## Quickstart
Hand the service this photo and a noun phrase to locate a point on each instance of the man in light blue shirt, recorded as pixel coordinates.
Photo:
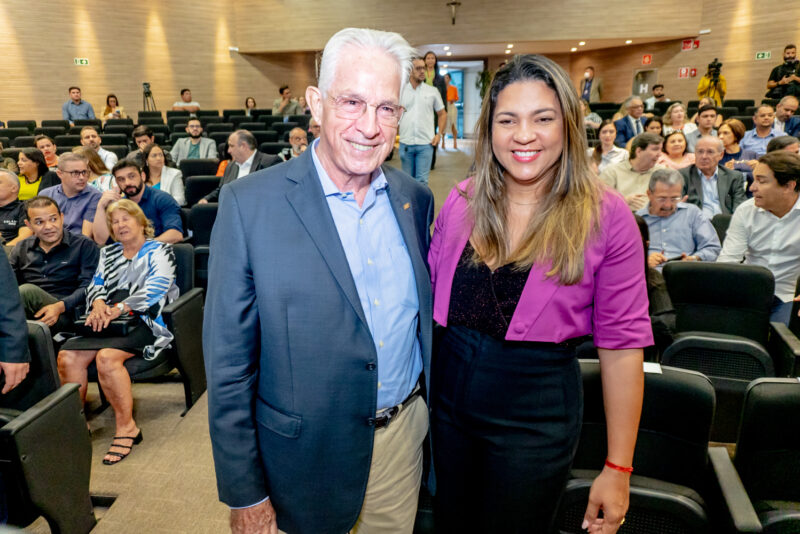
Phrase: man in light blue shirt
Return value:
(763, 132)
(75, 108)
(678, 231)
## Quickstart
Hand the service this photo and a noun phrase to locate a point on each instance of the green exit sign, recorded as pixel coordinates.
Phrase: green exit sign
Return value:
(81, 60)
(763, 55)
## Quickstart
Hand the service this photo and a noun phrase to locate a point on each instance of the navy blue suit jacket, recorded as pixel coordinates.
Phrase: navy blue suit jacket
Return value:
(625, 130)
(292, 384)
(792, 126)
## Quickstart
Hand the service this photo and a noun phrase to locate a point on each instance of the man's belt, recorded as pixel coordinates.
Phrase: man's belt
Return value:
(384, 418)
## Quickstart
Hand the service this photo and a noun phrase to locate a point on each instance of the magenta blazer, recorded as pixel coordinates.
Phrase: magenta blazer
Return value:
(610, 302)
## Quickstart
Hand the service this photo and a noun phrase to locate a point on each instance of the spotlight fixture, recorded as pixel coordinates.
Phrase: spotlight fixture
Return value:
(628, 41)
(582, 43)
(508, 50)
(509, 45)
(449, 54)
(444, 66)
(573, 49)
(446, 48)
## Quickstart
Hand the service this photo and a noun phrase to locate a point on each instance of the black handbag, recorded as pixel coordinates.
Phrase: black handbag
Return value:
(122, 326)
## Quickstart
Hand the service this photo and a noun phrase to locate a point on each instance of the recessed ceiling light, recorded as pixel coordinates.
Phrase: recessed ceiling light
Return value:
(444, 66)
(449, 54)
(446, 48)
(582, 43)
(509, 46)
(573, 49)
(628, 41)
(508, 51)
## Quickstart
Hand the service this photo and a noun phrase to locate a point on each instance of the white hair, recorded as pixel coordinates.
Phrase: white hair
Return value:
(391, 43)
(716, 140)
(10, 176)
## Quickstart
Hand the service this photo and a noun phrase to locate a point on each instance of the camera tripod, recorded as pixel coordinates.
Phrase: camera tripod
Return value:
(148, 103)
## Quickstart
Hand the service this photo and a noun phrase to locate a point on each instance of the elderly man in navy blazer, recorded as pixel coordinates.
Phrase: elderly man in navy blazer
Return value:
(631, 124)
(318, 318)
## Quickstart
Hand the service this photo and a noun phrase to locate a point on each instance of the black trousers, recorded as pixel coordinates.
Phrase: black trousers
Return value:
(505, 424)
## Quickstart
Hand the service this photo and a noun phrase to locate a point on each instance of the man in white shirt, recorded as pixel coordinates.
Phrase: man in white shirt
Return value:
(658, 96)
(417, 136)
(764, 230)
(246, 160)
(90, 138)
(784, 111)
(299, 141)
(186, 103)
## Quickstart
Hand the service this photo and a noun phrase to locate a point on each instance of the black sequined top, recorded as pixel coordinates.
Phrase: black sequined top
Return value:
(482, 299)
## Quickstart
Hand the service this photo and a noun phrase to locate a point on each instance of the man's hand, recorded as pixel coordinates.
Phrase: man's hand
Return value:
(636, 202)
(656, 258)
(686, 257)
(435, 140)
(797, 299)
(15, 373)
(107, 198)
(729, 164)
(49, 314)
(786, 79)
(202, 201)
(258, 519)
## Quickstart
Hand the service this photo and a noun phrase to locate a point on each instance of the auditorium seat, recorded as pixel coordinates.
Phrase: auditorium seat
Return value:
(679, 484)
(118, 122)
(750, 110)
(62, 123)
(63, 149)
(727, 112)
(250, 126)
(121, 151)
(42, 378)
(770, 101)
(174, 136)
(301, 120)
(124, 129)
(115, 139)
(661, 107)
(5, 142)
(239, 119)
(28, 125)
(13, 133)
(50, 131)
(742, 105)
(176, 113)
(198, 167)
(151, 121)
(160, 139)
(260, 112)
(693, 104)
(273, 148)
(720, 222)
(198, 186)
(149, 114)
(219, 127)
(604, 105)
(228, 113)
(219, 137)
(768, 452)
(605, 114)
(88, 122)
(208, 119)
(265, 136)
(269, 120)
(283, 127)
(747, 120)
(207, 113)
(160, 128)
(177, 123)
(23, 141)
(12, 153)
(75, 130)
(201, 221)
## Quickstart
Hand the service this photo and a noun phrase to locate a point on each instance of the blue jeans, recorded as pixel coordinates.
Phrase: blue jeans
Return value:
(417, 160)
(781, 311)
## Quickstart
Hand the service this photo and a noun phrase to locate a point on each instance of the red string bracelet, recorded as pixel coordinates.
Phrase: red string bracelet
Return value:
(612, 465)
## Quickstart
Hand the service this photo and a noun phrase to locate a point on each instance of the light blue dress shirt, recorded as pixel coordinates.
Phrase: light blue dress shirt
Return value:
(71, 111)
(751, 141)
(384, 277)
(685, 231)
(711, 205)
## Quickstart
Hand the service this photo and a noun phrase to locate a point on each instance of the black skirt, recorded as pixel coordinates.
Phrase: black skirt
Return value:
(134, 342)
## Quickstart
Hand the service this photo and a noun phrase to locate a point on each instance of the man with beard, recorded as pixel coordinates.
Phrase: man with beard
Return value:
(785, 79)
(76, 200)
(159, 207)
(195, 146)
(53, 267)
(299, 141)
(677, 229)
(784, 112)
(90, 138)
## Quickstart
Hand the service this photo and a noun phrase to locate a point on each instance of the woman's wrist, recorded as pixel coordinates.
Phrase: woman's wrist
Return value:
(620, 468)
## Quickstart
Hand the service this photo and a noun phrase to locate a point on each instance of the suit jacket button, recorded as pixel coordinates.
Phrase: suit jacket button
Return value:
(371, 366)
(370, 421)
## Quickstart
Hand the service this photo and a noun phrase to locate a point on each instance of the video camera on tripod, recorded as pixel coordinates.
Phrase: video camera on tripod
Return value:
(714, 69)
(148, 103)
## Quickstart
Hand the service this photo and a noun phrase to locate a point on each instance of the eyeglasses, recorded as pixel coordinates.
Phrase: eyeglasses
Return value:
(349, 107)
(662, 200)
(76, 174)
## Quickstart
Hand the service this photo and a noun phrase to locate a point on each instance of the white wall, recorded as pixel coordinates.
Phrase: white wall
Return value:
(472, 101)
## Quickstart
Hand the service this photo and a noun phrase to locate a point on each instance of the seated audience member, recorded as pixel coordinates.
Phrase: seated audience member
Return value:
(75, 108)
(142, 136)
(33, 173)
(8, 163)
(658, 96)
(299, 141)
(621, 112)
(285, 106)
(160, 208)
(99, 176)
(632, 177)
(789, 143)
(731, 133)
(303, 106)
(76, 199)
(90, 138)
(48, 148)
(590, 118)
(12, 210)
(53, 266)
(677, 230)
(245, 159)
(606, 152)
(159, 176)
(784, 79)
(249, 106)
(654, 125)
(712, 188)
(195, 146)
(784, 111)
(113, 110)
(660, 309)
(313, 127)
(675, 120)
(135, 277)
(673, 152)
(14, 355)
(186, 103)
(763, 132)
(706, 118)
(631, 124)
(706, 101)
(771, 217)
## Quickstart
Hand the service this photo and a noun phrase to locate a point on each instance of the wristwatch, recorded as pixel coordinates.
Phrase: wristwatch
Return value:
(121, 307)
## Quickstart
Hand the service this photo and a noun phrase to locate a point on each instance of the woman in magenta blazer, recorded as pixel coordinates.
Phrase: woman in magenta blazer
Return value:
(530, 256)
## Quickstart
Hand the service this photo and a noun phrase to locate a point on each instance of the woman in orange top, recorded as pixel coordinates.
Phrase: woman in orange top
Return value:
(452, 112)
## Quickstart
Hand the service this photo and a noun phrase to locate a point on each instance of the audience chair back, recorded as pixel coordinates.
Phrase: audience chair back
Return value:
(596, 106)
(661, 107)
(250, 126)
(13, 133)
(149, 114)
(23, 141)
(42, 379)
(226, 127)
(55, 122)
(219, 138)
(207, 120)
(265, 136)
(747, 120)
(177, 113)
(301, 120)
(50, 131)
(228, 113)
(97, 123)
(75, 130)
(28, 125)
(196, 187)
(260, 112)
(741, 105)
(283, 128)
(273, 148)
(151, 121)
(115, 138)
(118, 129)
(794, 321)
(12, 153)
(121, 151)
(198, 167)
(119, 122)
(270, 120)
(174, 136)
(768, 451)
(201, 221)
(162, 129)
(178, 123)
(720, 222)
(207, 113)
(728, 111)
(237, 120)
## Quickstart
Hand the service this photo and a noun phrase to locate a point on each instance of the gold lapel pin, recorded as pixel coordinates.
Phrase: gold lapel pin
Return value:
(406, 205)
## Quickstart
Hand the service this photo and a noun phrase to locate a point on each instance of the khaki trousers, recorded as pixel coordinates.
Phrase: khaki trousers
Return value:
(390, 503)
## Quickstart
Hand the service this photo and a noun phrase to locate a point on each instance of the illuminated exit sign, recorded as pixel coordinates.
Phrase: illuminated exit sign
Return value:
(83, 61)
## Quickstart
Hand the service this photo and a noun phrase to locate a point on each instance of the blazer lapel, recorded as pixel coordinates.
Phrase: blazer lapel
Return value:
(308, 201)
(723, 184)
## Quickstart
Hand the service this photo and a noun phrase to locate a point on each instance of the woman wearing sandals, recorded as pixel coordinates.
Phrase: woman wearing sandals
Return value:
(135, 277)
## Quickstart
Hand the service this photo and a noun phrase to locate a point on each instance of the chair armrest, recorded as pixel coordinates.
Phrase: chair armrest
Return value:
(737, 503)
(181, 301)
(784, 348)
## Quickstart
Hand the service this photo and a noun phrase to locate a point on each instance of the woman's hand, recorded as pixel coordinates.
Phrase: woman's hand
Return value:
(610, 492)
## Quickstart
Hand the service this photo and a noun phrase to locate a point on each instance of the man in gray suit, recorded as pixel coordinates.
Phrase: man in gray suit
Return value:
(245, 159)
(14, 355)
(709, 186)
(317, 332)
(195, 146)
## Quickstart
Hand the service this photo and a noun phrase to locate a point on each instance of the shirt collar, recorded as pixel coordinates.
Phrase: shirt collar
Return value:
(645, 211)
(703, 176)
(329, 188)
(66, 241)
(248, 161)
